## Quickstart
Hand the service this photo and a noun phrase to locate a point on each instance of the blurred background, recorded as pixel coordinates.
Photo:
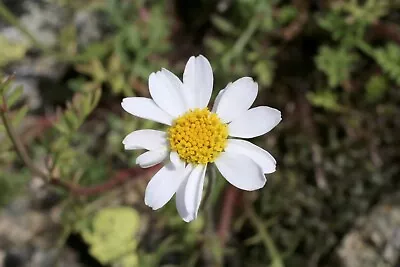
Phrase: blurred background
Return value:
(75, 199)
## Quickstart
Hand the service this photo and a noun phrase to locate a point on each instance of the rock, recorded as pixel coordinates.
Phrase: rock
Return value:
(31, 94)
(89, 29)
(2, 257)
(52, 257)
(375, 240)
(41, 74)
(44, 20)
(29, 234)
(17, 257)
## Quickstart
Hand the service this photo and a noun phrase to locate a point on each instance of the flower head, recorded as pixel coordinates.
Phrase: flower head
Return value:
(197, 136)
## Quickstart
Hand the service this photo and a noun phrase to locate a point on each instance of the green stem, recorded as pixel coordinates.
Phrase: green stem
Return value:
(266, 238)
(212, 251)
(366, 48)
(246, 36)
(211, 181)
(11, 19)
(243, 40)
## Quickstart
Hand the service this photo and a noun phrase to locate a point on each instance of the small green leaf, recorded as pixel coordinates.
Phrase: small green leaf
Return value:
(71, 119)
(96, 50)
(388, 58)
(336, 63)
(324, 99)
(216, 45)
(5, 83)
(62, 128)
(287, 14)
(265, 72)
(19, 115)
(224, 25)
(14, 95)
(376, 87)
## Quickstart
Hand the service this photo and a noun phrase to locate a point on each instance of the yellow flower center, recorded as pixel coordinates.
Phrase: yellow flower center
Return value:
(198, 136)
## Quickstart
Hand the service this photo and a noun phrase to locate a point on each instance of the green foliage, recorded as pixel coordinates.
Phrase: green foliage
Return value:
(13, 98)
(10, 105)
(9, 98)
(336, 64)
(241, 50)
(10, 188)
(77, 111)
(347, 21)
(325, 99)
(224, 26)
(376, 87)
(388, 59)
(67, 159)
(139, 36)
(287, 14)
(112, 74)
(363, 11)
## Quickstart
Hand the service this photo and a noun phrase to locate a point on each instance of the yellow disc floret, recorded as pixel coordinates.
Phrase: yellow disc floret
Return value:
(198, 136)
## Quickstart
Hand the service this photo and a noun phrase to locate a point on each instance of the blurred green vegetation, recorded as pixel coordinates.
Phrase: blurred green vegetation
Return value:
(331, 67)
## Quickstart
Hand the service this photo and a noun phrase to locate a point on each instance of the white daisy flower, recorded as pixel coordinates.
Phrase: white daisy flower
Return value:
(197, 136)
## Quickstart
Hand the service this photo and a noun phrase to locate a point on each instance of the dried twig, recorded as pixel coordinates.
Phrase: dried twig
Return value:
(119, 178)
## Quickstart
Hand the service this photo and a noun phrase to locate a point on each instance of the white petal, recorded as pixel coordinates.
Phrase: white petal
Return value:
(180, 197)
(255, 122)
(177, 83)
(264, 159)
(166, 92)
(163, 186)
(240, 171)
(218, 98)
(194, 189)
(174, 80)
(152, 157)
(198, 82)
(145, 139)
(237, 98)
(146, 108)
(176, 160)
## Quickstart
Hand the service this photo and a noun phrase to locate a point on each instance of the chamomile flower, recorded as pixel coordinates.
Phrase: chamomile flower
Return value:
(197, 136)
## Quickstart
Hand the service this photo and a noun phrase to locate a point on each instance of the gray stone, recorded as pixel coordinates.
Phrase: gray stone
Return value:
(88, 25)
(44, 21)
(375, 240)
(28, 235)
(54, 257)
(2, 257)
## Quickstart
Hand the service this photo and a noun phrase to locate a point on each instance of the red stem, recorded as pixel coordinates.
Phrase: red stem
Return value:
(230, 198)
(119, 178)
